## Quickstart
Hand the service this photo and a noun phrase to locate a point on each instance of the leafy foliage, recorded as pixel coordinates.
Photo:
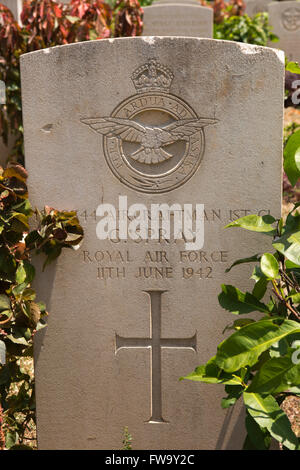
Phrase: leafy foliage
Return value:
(291, 176)
(127, 18)
(127, 439)
(49, 23)
(21, 315)
(292, 157)
(292, 81)
(291, 194)
(254, 30)
(224, 10)
(259, 362)
(231, 23)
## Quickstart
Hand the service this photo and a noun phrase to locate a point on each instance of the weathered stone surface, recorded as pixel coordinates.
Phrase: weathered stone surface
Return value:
(178, 20)
(129, 317)
(285, 19)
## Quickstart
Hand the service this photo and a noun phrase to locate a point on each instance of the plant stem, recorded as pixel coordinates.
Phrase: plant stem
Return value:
(277, 293)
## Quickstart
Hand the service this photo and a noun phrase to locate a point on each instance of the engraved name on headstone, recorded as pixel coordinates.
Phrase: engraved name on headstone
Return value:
(285, 19)
(176, 19)
(119, 127)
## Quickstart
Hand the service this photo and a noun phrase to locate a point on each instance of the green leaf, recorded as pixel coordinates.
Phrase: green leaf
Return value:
(20, 447)
(289, 246)
(11, 439)
(250, 259)
(200, 375)
(19, 289)
(269, 266)
(24, 207)
(276, 375)
(292, 158)
(257, 274)
(291, 265)
(72, 19)
(7, 261)
(20, 274)
(237, 302)
(211, 373)
(295, 298)
(5, 375)
(295, 391)
(28, 294)
(228, 401)
(255, 223)
(4, 302)
(259, 437)
(292, 223)
(260, 288)
(19, 336)
(293, 67)
(245, 346)
(238, 324)
(267, 414)
(233, 394)
(279, 348)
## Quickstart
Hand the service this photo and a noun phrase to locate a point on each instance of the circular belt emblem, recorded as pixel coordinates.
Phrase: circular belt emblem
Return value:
(154, 141)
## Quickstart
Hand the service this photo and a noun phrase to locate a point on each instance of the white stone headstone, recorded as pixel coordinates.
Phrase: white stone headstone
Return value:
(178, 20)
(148, 121)
(285, 19)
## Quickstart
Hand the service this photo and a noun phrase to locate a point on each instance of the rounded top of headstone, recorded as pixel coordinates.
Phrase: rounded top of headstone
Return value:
(147, 43)
(184, 20)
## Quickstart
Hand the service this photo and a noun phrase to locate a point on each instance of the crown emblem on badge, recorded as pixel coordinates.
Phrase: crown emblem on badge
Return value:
(152, 76)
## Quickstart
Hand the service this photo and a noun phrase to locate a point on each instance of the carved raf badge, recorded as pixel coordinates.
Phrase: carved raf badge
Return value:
(291, 19)
(153, 141)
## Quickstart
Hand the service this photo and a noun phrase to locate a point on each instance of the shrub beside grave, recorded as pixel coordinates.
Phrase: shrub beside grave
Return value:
(231, 23)
(21, 315)
(260, 361)
(254, 30)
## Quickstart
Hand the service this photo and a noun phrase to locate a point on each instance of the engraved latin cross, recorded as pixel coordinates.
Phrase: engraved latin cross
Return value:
(156, 343)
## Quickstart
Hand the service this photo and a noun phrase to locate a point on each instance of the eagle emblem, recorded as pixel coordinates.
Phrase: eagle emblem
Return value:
(152, 140)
